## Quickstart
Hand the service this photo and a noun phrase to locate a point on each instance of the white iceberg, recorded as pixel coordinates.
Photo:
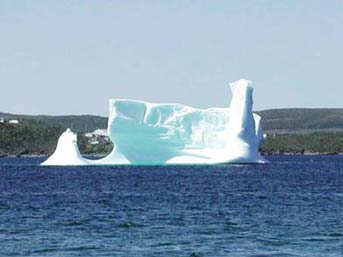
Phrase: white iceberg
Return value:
(146, 133)
(67, 152)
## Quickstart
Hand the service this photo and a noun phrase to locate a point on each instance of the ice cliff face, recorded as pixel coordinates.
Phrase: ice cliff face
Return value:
(149, 134)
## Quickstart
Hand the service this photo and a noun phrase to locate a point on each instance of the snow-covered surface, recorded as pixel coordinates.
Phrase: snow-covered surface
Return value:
(67, 152)
(149, 134)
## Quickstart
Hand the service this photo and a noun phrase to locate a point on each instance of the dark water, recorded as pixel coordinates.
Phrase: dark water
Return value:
(292, 207)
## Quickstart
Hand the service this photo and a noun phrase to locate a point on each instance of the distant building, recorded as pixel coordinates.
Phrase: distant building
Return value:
(98, 136)
(89, 135)
(2, 120)
(100, 132)
(97, 133)
(94, 142)
(13, 122)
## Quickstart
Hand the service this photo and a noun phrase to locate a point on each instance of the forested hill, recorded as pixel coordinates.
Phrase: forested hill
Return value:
(275, 121)
(79, 123)
(287, 121)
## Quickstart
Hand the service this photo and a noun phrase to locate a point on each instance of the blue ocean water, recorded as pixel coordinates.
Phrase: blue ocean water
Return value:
(291, 207)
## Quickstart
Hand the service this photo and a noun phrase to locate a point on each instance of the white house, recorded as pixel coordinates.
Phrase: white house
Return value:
(13, 122)
(100, 132)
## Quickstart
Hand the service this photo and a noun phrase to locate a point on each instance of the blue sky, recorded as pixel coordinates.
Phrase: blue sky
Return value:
(70, 57)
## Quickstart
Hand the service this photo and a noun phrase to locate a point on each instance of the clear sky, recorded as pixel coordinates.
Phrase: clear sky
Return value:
(70, 57)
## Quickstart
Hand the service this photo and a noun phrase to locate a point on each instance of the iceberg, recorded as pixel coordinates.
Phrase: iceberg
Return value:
(145, 133)
(67, 151)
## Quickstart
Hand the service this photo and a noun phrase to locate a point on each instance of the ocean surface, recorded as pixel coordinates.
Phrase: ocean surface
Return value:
(291, 207)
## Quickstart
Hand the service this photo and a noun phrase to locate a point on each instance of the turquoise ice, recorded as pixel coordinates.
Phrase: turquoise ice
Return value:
(153, 134)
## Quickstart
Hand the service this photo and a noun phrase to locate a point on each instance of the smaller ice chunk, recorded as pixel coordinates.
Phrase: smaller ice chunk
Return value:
(67, 151)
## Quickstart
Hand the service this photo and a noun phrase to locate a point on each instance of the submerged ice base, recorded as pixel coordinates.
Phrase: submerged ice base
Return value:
(145, 133)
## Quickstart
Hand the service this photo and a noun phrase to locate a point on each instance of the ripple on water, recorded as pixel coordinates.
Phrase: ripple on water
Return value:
(272, 255)
(291, 207)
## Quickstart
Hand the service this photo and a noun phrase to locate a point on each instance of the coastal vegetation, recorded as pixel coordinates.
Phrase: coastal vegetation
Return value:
(78, 123)
(312, 143)
(101, 149)
(301, 120)
(29, 137)
(32, 137)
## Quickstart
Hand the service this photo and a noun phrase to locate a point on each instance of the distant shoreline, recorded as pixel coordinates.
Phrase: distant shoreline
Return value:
(289, 132)
(101, 155)
(46, 156)
(308, 153)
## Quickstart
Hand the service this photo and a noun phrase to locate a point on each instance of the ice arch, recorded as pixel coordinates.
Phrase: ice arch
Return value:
(152, 134)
